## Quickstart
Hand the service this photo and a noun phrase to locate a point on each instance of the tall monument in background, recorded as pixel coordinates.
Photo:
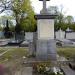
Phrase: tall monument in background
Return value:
(45, 44)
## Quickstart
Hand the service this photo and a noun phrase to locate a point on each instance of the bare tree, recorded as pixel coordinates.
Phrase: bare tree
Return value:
(5, 5)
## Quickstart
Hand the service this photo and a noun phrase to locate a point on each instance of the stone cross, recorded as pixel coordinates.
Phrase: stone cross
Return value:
(44, 6)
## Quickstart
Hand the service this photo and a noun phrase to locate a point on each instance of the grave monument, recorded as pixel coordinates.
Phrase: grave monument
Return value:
(45, 43)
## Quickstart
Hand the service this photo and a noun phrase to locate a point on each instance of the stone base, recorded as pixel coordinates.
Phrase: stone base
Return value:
(46, 50)
(47, 16)
(31, 49)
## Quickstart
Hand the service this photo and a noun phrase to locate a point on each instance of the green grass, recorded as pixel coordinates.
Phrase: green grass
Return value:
(66, 51)
(14, 53)
(2, 49)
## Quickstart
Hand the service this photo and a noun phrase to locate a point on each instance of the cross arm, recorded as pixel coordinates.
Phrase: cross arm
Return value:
(42, 0)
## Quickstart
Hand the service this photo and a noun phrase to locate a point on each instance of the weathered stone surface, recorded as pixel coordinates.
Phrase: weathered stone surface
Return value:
(19, 36)
(31, 48)
(46, 49)
(29, 36)
(45, 29)
(45, 44)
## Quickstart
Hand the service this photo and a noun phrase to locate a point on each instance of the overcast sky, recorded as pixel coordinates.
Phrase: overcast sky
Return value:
(68, 5)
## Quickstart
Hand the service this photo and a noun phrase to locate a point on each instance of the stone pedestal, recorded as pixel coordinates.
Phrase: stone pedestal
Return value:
(46, 49)
(45, 29)
(45, 45)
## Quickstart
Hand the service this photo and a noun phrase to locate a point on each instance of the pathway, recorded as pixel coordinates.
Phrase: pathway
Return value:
(25, 71)
(67, 70)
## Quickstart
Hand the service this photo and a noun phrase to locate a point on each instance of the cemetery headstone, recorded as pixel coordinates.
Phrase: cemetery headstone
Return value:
(19, 36)
(60, 34)
(45, 44)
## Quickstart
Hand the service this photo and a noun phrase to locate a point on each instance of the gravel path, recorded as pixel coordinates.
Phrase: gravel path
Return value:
(68, 71)
(27, 71)
(24, 71)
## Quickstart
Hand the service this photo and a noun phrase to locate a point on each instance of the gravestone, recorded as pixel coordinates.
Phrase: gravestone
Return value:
(19, 36)
(29, 36)
(45, 44)
(60, 34)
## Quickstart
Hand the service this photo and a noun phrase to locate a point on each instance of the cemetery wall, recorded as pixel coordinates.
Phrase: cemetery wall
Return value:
(60, 34)
(70, 35)
(1, 34)
(29, 36)
(19, 36)
(64, 35)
